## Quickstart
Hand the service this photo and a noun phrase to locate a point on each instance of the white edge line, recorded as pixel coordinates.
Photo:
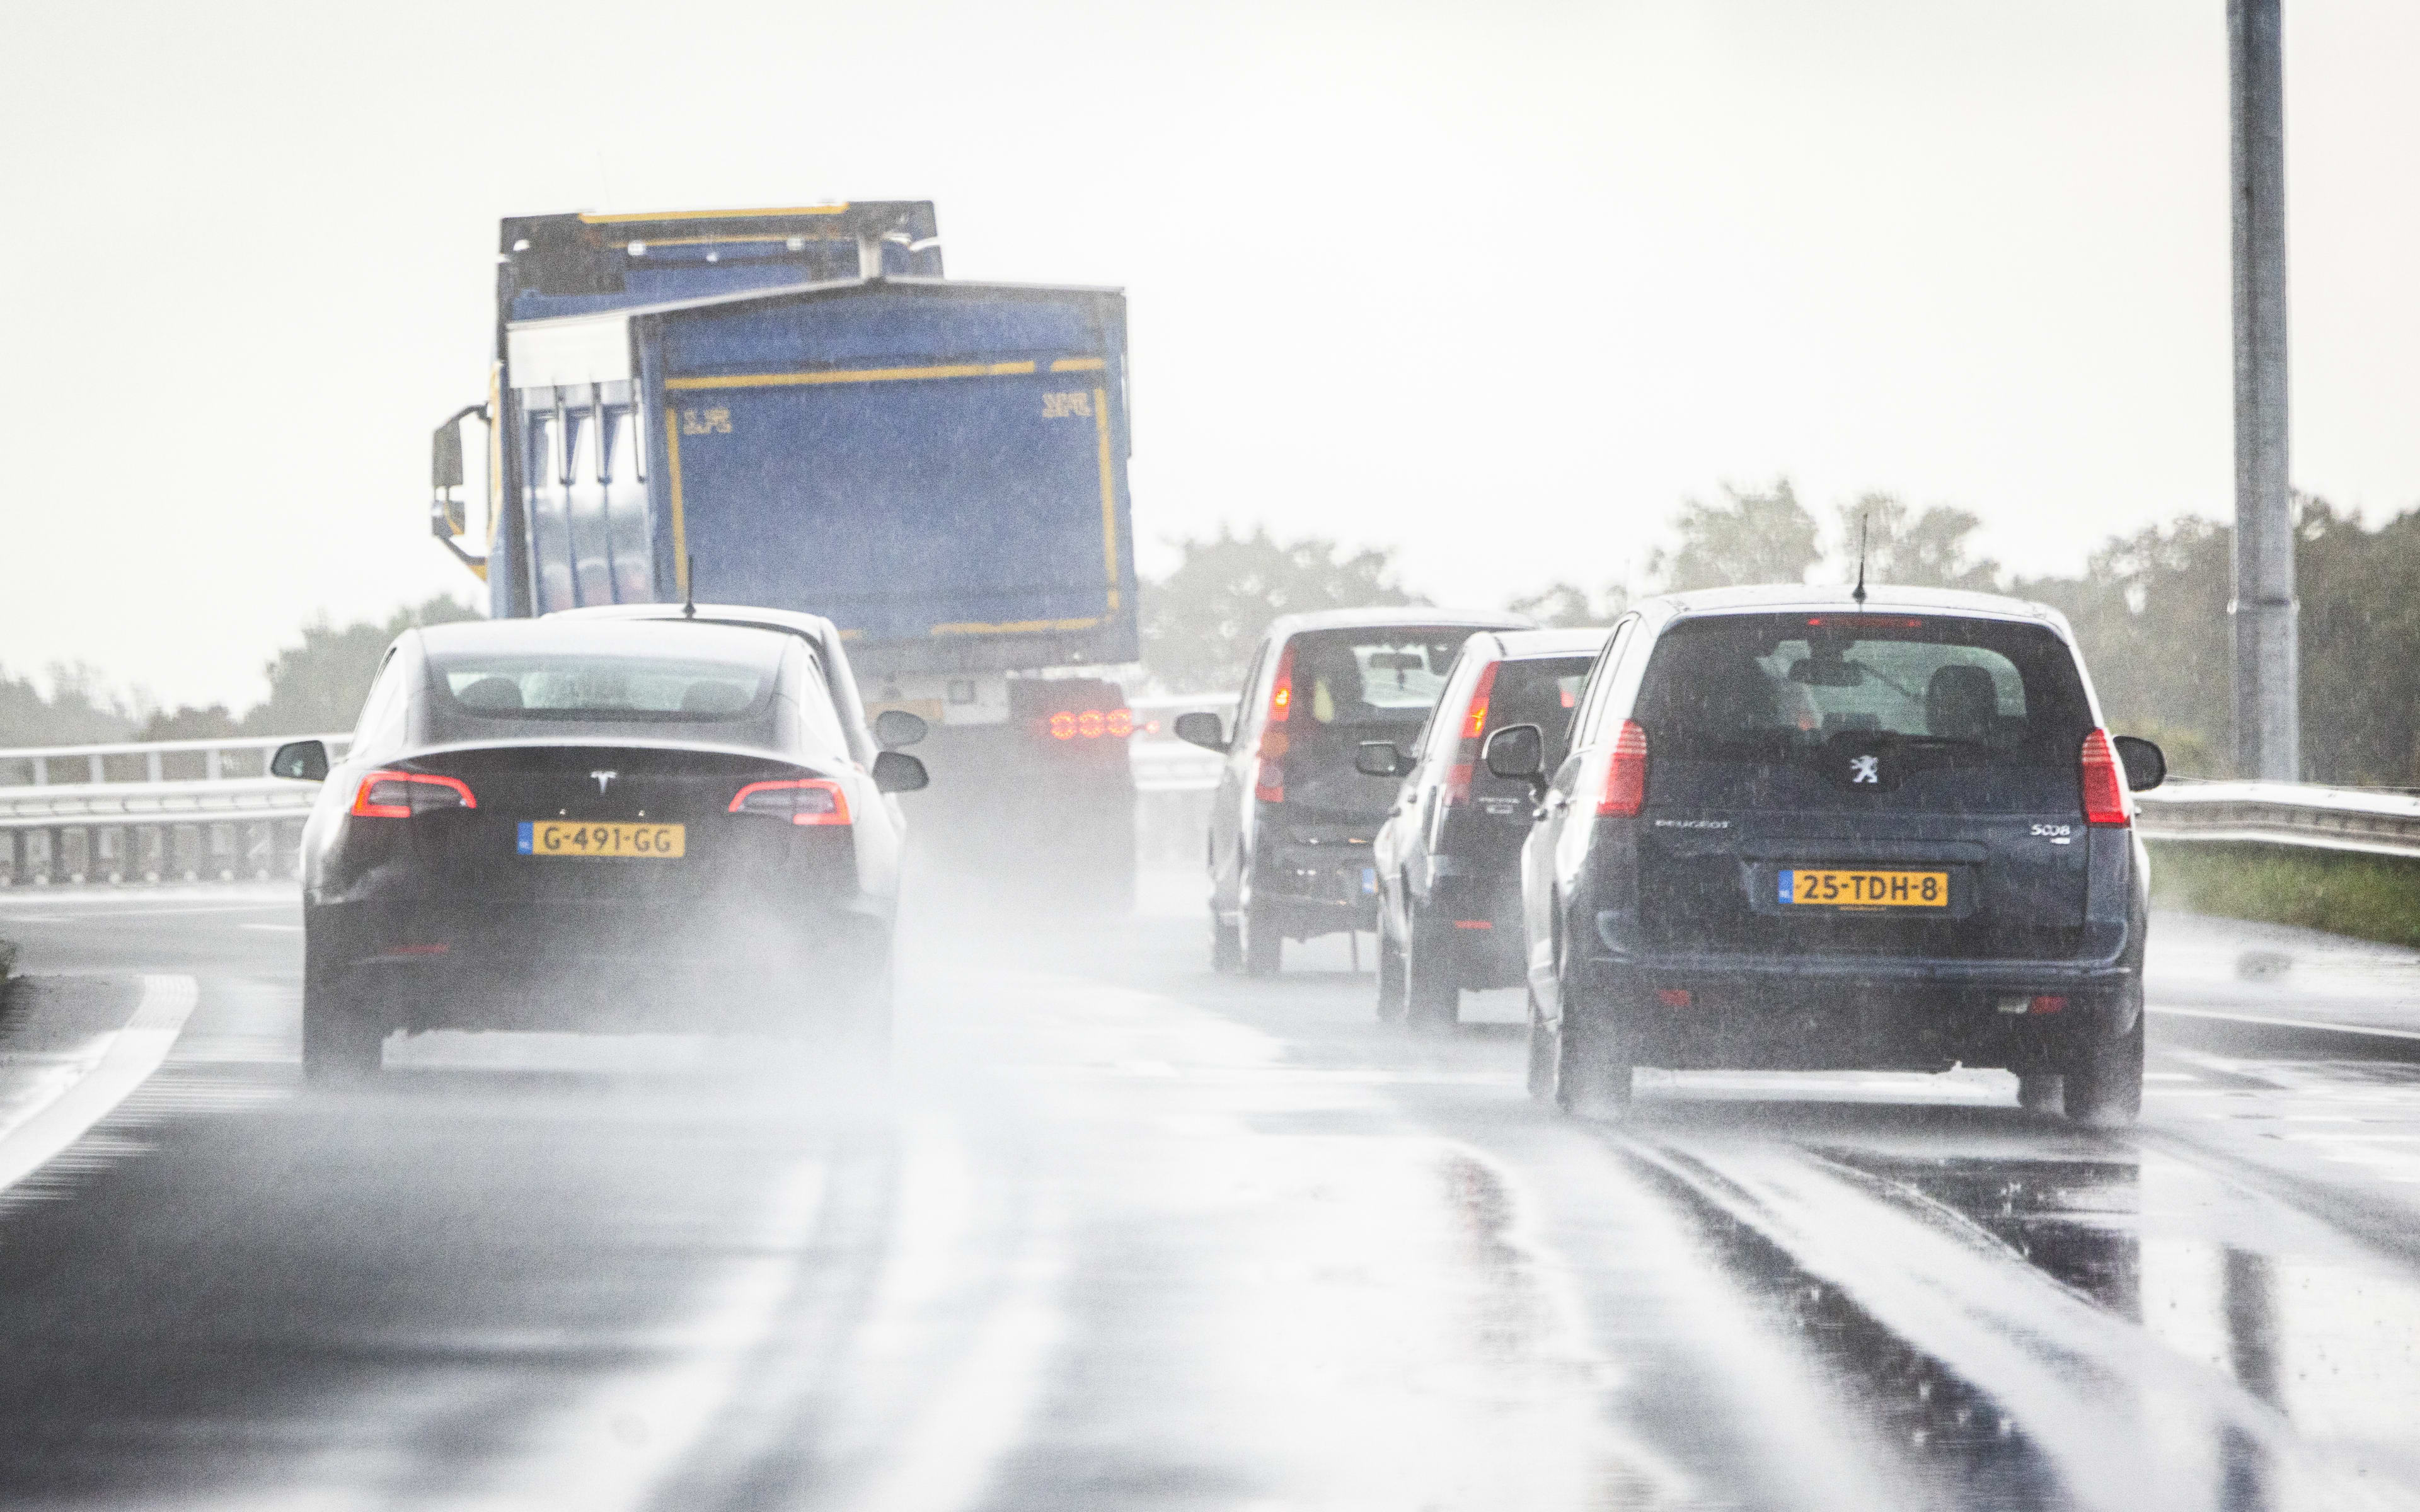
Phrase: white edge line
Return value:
(2315, 1026)
(134, 1054)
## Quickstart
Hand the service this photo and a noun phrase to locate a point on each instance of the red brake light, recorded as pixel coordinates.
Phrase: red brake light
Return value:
(1268, 776)
(401, 795)
(2104, 785)
(808, 800)
(1625, 772)
(1091, 724)
(1474, 724)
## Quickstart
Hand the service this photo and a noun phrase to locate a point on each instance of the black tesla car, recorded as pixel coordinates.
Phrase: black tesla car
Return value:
(1448, 856)
(604, 824)
(1290, 825)
(1804, 829)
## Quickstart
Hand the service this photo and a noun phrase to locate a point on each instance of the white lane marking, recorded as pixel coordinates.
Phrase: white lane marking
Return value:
(134, 1053)
(282, 928)
(2270, 1021)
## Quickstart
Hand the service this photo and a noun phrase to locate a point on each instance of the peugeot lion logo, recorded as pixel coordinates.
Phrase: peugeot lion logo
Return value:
(605, 779)
(1866, 770)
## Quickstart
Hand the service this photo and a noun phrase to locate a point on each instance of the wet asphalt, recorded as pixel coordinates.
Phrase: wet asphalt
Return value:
(1120, 1233)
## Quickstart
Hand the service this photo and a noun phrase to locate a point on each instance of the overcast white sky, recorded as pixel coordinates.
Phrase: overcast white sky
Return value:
(1496, 284)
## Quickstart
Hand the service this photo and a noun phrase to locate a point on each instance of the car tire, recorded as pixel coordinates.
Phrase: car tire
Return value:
(1390, 974)
(2041, 1091)
(2105, 1079)
(1432, 996)
(1591, 1079)
(1542, 1054)
(1226, 945)
(341, 1042)
(1263, 947)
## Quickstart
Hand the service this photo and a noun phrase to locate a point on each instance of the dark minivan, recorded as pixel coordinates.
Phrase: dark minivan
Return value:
(1448, 857)
(1291, 827)
(1803, 829)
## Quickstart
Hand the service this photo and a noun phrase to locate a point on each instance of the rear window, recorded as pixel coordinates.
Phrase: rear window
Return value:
(1745, 687)
(1364, 677)
(616, 689)
(1542, 692)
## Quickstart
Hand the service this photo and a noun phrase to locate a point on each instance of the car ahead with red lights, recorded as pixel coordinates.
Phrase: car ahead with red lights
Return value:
(1448, 857)
(610, 823)
(1805, 829)
(1293, 819)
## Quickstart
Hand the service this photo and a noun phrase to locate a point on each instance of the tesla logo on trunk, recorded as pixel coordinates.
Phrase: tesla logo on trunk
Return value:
(1866, 770)
(604, 780)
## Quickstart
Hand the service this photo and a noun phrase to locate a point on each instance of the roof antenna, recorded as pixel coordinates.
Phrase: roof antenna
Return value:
(1858, 593)
(688, 588)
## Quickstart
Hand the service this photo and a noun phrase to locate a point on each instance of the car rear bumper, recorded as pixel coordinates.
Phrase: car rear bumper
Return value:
(428, 965)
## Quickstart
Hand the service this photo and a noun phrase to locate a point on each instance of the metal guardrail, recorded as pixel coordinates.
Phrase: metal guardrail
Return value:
(227, 822)
(2366, 820)
(1162, 763)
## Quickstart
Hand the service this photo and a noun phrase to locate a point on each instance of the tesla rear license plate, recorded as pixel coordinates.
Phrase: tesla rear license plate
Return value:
(1834, 888)
(628, 842)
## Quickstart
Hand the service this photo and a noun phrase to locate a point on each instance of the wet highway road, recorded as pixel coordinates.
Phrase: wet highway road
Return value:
(1120, 1233)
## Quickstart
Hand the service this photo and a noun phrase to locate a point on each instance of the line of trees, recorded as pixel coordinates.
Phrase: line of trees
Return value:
(314, 686)
(2149, 609)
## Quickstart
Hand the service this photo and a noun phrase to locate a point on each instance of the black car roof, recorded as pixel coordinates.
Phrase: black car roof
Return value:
(1388, 616)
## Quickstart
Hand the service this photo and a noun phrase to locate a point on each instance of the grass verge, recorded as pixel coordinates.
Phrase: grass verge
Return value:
(2344, 892)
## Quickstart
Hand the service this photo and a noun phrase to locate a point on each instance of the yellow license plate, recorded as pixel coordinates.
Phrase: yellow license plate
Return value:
(1832, 888)
(629, 842)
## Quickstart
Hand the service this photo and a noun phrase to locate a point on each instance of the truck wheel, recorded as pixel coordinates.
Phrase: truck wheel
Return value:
(1226, 944)
(2041, 1091)
(1542, 1054)
(2105, 1080)
(1390, 974)
(1263, 947)
(1432, 997)
(341, 1042)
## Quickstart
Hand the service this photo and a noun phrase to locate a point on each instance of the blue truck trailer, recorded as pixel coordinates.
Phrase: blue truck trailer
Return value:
(794, 409)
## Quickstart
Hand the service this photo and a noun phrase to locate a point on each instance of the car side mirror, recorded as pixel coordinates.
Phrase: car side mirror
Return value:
(2147, 765)
(1379, 758)
(898, 772)
(305, 761)
(1203, 730)
(1517, 752)
(894, 728)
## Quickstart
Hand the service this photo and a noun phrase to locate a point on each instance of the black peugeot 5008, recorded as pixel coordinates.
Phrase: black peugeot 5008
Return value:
(1448, 856)
(1290, 825)
(1800, 829)
(607, 825)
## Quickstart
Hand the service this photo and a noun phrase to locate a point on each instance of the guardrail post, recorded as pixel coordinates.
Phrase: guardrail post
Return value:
(7, 857)
(151, 845)
(41, 771)
(75, 852)
(109, 853)
(223, 855)
(37, 857)
(185, 852)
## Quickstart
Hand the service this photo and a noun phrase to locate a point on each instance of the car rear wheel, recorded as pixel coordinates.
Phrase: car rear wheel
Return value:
(1226, 945)
(1263, 947)
(1591, 1078)
(1390, 974)
(2105, 1080)
(1432, 997)
(1542, 1054)
(2041, 1091)
(341, 1042)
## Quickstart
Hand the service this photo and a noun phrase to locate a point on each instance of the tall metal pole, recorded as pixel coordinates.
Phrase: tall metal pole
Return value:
(2267, 718)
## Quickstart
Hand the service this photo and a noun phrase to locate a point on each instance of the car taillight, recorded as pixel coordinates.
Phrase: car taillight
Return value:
(2104, 783)
(401, 795)
(1269, 775)
(810, 800)
(1625, 772)
(1474, 724)
(1091, 724)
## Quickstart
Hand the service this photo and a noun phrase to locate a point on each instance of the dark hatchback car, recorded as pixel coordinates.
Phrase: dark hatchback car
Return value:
(1797, 830)
(1290, 825)
(600, 823)
(1448, 856)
